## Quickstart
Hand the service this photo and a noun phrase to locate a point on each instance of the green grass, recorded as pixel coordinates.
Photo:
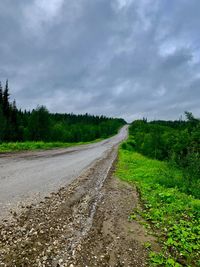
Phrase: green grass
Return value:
(23, 146)
(171, 213)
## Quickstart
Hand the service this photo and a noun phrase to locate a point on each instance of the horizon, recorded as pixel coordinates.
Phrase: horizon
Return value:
(181, 117)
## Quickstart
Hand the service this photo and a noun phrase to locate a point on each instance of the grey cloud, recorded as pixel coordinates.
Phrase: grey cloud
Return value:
(118, 58)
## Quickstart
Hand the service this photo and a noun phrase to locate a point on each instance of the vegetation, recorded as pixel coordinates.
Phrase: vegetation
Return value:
(175, 215)
(176, 142)
(40, 125)
(28, 145)
(169, 188)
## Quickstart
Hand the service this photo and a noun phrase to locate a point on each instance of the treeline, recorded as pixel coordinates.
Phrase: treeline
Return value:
(40, 125)
(177, 142)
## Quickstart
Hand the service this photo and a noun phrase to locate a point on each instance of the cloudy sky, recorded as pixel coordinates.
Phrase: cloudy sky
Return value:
(124, 58)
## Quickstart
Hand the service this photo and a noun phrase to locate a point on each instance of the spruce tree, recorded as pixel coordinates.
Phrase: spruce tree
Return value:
(6, 105)
(14, 113)
(1, 95)
(2, 125)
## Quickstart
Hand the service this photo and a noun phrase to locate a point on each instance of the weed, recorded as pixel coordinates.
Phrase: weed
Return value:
(131, 217)
(174, 213)
(147, 245)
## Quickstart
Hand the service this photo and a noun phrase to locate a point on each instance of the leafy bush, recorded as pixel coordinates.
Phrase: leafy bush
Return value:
(128, 145)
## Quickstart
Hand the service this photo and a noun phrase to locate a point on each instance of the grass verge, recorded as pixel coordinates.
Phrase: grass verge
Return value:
(172, 214)
(23, 146)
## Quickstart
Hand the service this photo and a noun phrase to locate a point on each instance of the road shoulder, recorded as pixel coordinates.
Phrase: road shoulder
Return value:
(114, 239)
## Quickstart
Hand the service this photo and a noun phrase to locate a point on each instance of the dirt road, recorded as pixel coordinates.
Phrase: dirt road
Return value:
(29, 176)
(83, 224)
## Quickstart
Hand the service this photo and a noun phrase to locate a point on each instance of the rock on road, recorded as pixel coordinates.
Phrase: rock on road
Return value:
(26, 177)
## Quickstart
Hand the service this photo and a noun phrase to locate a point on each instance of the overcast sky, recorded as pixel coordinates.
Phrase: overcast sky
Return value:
(123, 58)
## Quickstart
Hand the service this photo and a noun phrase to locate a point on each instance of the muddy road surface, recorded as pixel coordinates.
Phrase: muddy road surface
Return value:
(26, 177)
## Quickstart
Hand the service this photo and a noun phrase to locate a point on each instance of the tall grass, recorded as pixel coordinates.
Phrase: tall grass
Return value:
(171, 174)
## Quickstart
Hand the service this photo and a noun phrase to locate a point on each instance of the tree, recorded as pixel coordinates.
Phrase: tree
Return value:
(39, 124)
(14, 113)
(189, 116)
(191, 119)
(2, 125)
(6, 105)
(1, 95)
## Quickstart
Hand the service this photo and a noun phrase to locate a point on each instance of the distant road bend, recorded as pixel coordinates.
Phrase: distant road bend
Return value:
(26, 177)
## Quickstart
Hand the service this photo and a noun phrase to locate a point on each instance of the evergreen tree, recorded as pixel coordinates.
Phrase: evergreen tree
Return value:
(1, 95)
(2, 125)
(14, 113)
(39, 124)
(6, 105)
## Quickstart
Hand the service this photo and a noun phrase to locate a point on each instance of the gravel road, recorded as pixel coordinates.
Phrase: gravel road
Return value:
(26, 177)
(84, 223)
